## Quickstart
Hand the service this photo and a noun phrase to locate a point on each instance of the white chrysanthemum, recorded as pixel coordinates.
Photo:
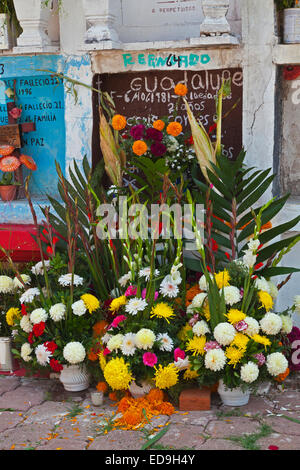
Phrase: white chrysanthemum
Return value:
(253, 326)
(6, 285)
(271, 323)
(135, 305)
(66, 279)
(79, 308)
(38, 269)
(26, 350)
(144, 339)
(203, 284)
(249, 259)
(18, 284)
(105, 338)
(42, 355)
(201, 328)
(145, 272)
(168, 288)
(276, 364)
(215, 359)
(123, 281)
(232, 295)
(253, 244)
(28, 296)
(38, 315)
(166, 343)
(249, 372)
(287, 324)
(224, 333)
(198, 300)
(115, 342)
(182, 364)
(57, 312)
(26, 324)
(297, 303)
(273, 290)
(128, 347)
(262, 284)
(74, 352)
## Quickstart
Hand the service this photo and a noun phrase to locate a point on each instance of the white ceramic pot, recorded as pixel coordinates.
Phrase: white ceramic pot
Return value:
(291, 25)
(139, 392)
(6, 359)
(233, 397)
(74, 378)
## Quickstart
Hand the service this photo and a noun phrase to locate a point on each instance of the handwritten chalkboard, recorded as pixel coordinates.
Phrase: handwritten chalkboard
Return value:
(150, 95)
(42, 101)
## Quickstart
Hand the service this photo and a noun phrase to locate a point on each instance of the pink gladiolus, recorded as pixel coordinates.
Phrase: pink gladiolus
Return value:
(179, 354)
(149, 359)
(131, 290)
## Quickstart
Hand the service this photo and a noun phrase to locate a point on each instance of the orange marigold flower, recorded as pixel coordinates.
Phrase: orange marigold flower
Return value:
(139, 147)
(113, 396)
(166, 408)
(180, 89)
(102, 387)
(124, 404)
(92, 355)
(174, 128)
(118, 122)
(191, 293)
(283, 376)
(159, 125)
(155, 394)
(99, 329)
(132, 417)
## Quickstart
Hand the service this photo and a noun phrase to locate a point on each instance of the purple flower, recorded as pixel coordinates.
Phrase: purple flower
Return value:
(211, 345)
(260, 359)
(158, 149)
(137, 132)
(154, 134)
(241, 326)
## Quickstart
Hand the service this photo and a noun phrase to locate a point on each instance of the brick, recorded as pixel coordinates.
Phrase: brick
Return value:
(194, 399)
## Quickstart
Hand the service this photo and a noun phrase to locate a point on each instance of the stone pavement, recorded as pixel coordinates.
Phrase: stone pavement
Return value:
(38, 414)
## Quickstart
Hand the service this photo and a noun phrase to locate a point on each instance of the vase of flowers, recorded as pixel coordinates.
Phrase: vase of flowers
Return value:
(233, 397)
(74, 378)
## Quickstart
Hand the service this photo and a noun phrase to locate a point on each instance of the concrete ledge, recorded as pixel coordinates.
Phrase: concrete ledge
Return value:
(286, 54)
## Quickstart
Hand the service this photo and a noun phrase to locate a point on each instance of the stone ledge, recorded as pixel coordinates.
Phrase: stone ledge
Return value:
(286, 54)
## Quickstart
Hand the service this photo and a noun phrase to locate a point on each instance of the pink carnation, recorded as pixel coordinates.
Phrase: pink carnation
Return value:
(179, 354)
(211, 345)
(194, 320)
(117, 320)
(241, 325)
(131, 290)
(106, 352)
(149, 359)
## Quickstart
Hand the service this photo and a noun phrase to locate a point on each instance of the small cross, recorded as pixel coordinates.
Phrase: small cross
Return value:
(12, 135)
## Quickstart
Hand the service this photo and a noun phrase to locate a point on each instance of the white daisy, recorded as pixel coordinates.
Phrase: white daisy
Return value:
(66, 279)
(42, 355)
(128, 346)
(145, 272)
(168, 288)
(135, 305)
(28, 296)
(166, 343)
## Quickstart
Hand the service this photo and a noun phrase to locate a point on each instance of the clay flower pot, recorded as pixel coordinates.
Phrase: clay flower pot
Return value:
(8, 193)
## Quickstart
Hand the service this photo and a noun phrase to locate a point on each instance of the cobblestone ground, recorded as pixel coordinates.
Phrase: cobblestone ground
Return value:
(37, 414)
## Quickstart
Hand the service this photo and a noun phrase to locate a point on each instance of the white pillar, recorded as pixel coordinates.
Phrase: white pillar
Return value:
(100, 19)
(33, 16)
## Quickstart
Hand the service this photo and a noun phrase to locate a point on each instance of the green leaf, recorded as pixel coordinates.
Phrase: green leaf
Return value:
(156, 438)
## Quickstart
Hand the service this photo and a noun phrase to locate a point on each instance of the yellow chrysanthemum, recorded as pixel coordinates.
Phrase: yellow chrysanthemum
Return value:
(265, 299)
(190, 374)
(196, 345)
(102, 361)
(91, 302)
(182, 335)
(12, 315)
(235, 316)
(117, 303)
(162, 310)
(240, 341)
(234, 355)
(261, 340)
(117, 374)
(166, 377)
(222, 279)
(206, 311)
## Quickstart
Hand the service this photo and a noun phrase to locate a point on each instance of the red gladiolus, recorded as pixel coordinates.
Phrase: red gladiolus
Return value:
(215, 246)
(39, 328)
(227, 255)
(208, 269)
(45, 232)
(55, 365)
(55, 240)
(49, 250)
(258, 266)
(212, 128)
(23, 310)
